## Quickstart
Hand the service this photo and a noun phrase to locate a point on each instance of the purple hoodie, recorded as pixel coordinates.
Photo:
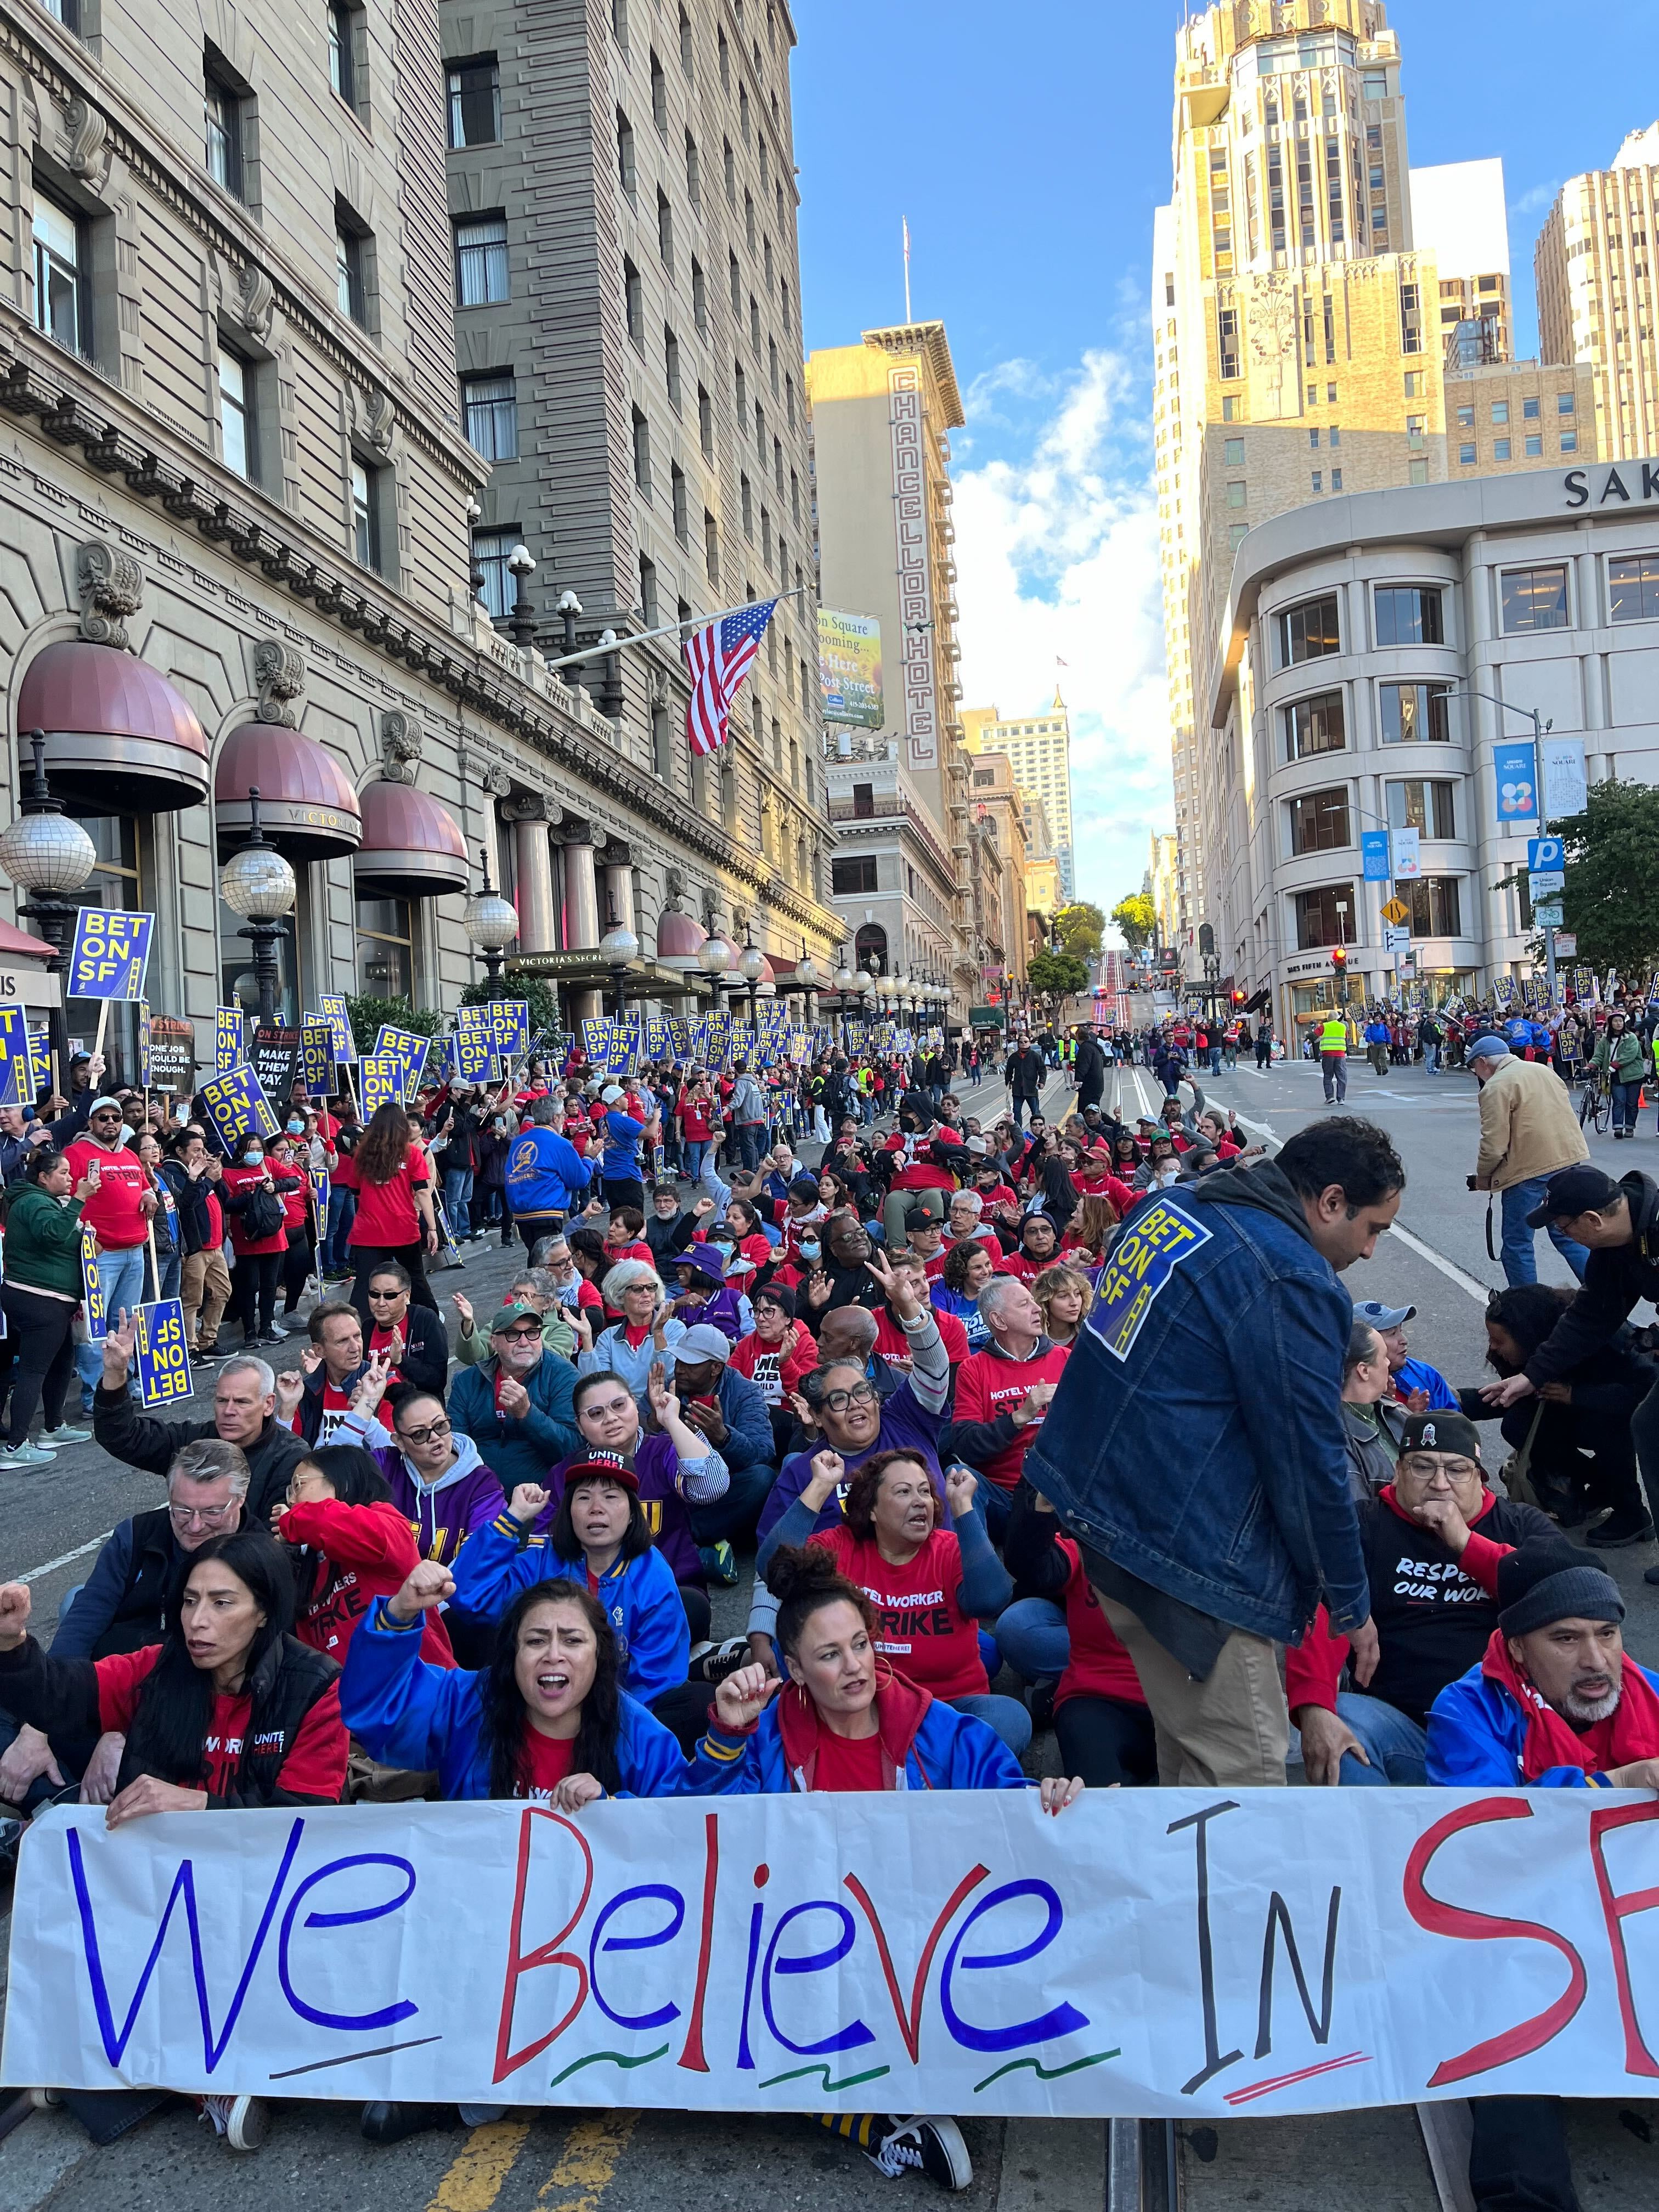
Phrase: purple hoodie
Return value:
(657, 1469)
(467, 1496)
(723, 1309)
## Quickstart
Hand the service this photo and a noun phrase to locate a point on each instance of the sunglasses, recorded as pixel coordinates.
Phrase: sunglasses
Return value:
(427, 1435)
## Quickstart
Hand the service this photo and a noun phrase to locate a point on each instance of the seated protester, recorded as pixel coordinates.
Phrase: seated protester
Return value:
(1126, 1156)
(845, 1280)
(892, 1345)
(598, 1538)
(1161, 1166)
(515, 1405)
(751, 1240)
(1581, 1455)
(350, 1545)
(775, 1355)
(846, 1721)
(411, 1336)
(965, 1221)
(1062, 1294)
(1003, 1392)
(924, 1239)
(624, 1235)
(1092, 1230)
(1095, 1178)
(968, 1268)
(438, 1480)
(1433, 1540)
(1037, 1248)
(537, 1287)
(569, 1286)
(803, 1204)
(727, 1410)
(1217, 1130)
(547, 1720)
(315, 1402)
(244, 1414)
(1555, 1703)
(1199, 1159)
(120, 1608)
(924, 1161)
(1416, 1385)
(1372, 1422)
(669, 1230)
(703, 1295)
(986, 1178)
(632, 1345)
(1054, 1192)
(929, 1578)
(1061, 1642)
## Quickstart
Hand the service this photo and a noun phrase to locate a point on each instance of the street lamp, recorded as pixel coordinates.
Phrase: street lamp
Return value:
(751, 963)
(521, 623)
(617, 947)
(50, 857)
(491, 922)
(258, 882)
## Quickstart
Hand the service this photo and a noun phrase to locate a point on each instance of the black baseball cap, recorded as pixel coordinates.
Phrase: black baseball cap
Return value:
(1573, 1191)
(1439, 1430)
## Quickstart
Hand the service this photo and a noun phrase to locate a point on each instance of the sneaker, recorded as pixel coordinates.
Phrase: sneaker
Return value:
(43, 2101)
(244, 2121)
(62, 1434)
(713, 1662)
(394, 2122)
(718, 1562)
(200, 1358)
(25, 1457)
(1631, 1526)
(935, 2145)
(275, 1336)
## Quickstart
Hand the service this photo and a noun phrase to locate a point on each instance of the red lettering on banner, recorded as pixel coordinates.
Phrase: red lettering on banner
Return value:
(691, 2055)
(1638, 2059)
(545, 1954)
(909, 2024)
(1469, 1927)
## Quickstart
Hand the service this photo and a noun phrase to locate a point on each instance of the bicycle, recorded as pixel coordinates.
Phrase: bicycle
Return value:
(1596, 1104)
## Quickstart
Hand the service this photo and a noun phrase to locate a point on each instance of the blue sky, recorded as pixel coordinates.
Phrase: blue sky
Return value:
(1028, 148)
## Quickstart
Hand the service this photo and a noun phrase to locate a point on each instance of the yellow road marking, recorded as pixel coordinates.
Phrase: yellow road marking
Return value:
(588, 2163)
(476, 2174)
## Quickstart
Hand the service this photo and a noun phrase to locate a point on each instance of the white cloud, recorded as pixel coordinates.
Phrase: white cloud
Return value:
(1057, 556)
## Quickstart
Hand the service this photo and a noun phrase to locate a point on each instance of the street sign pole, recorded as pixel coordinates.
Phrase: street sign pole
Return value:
(1549, 962)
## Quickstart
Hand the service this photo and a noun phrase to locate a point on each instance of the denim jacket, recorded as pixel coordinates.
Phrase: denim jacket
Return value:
(1197, 1437)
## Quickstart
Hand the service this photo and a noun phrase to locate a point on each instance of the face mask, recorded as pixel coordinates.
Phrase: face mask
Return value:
(252, 1160)
(810, 1251)
(296, 1128)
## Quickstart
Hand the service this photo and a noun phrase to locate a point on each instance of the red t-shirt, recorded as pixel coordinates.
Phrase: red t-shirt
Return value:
(548, 1758)
(386, 1218)
(989, 1385)
(367, 1552)
(238, 1179)
(316, 1762)
(920, 1626)
(615, 1253)
(776, 1368)
(893, 1345)
(847, 1762)
(696, 1119)
(1099, 1666)
(379, 1339)
(112, 1213)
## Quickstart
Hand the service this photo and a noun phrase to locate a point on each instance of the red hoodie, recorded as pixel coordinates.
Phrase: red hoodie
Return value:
(367, 1552)
(819, 1760)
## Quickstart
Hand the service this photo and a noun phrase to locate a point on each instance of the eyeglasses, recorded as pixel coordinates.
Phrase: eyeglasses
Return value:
(396, 1292)
(522, 1335)
(862, 1393)
(200, 1516)
(428, 1434)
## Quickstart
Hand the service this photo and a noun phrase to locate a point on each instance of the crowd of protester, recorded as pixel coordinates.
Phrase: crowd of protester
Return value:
(476, 1560)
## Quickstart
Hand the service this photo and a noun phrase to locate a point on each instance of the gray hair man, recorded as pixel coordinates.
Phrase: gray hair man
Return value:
(1528, 1132)
(244, 1414)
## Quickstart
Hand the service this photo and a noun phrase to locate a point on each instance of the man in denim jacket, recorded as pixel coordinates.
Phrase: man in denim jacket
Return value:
(1194, 1447)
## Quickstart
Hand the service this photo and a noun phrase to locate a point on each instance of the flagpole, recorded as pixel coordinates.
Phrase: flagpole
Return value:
(905, 222)
(668, 629)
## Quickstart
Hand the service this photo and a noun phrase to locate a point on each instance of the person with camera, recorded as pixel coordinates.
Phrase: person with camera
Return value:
(251, 1191)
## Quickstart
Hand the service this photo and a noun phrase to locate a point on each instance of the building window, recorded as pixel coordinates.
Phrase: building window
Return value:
(682, 512)
(1534, 444)
(1533, 599)
(1531, 409)
(350, 289)
(1236, 533)
(1500, 410)
(1318, 821)
(649, 592)
(685, 42)
(853, 878)
(496, 592)
(1231, 407)
(490, 416)
(1324, 916)
(238, 442)
(693, 172)
(705, 423)
(342, 52)
(1466, 456)
(641, 452)
(1434, 907)
(1417, 471)
(1237, 495)
(1408, 614)
(60, 287)
(1565, 402)
(1319, 480)
(747, 497)
(475, 102)
(364, 516)
(1313, 438)
(658, 94)
(481, 261)
(1309, 631)
(1466, 418)
(665, 230)
(221, 110)
(1315, 725)
(671, 366)
(1336, 479)
(1427, 807)
(1226, 325)
(385, 948)
(1500, 449)
(1570, 442)
(634, 302)
(1232, 453)
(627, 174)
(1633, 588)
(1415, 714)
(699, 301)
(711, 546)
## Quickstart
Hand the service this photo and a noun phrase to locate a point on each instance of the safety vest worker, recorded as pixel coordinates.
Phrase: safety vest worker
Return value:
(1334, 1033)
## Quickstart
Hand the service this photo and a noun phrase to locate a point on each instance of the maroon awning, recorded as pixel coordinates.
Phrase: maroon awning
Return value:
(119, 738)
(411, 847)
(307, 807)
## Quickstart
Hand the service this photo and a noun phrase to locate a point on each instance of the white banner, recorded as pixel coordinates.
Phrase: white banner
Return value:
(1151, 1952)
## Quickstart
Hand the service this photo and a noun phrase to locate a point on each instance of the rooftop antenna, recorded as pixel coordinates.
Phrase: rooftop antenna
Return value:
(904, 220)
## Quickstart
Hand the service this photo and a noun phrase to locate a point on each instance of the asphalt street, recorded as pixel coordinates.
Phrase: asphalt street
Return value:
(617, 2160)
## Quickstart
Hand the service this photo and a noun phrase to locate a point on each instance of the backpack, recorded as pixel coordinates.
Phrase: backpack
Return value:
(262, 1215)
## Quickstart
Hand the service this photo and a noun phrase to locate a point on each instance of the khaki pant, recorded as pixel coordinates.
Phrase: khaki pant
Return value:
(1229, 1731)
(204, 1284)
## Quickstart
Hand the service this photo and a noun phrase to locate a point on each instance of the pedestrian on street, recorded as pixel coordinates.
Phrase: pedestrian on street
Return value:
(1023, 1073)
(1621, 1058)
(1377, 1040)
(1334, 1057)
(1528, 1131)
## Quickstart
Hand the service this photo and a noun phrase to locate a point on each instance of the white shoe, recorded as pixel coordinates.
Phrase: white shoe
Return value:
(244, 2121)
(25, 1457)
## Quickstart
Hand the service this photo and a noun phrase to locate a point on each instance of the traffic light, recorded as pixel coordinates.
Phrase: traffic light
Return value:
(1340, 959)
(1238, 998)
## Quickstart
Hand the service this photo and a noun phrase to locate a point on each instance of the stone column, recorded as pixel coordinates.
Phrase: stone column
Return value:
(533, 868)
(616, 890)
(581, 907)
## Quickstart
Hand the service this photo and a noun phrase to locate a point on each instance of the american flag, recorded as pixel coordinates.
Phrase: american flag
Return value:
(718, 656)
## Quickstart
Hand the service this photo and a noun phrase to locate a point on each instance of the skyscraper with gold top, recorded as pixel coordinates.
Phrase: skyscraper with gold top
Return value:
(1299, 348)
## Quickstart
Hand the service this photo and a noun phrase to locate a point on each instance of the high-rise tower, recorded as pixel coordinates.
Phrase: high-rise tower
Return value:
(1598, 302)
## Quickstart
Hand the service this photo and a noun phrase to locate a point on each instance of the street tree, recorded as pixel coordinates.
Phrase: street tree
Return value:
(1080, 928)
(1057, 974)
(1137, 917)
(1611, 897)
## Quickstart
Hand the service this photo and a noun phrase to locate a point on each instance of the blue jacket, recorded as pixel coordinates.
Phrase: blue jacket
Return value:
(928, 1745)
(1476, 1733)
(425, 1718)
(1377, 1033)
(1418, 1375)
(612, 1354)
(524, 1450)
(1196, 1436)
(546, 1173)
(622, 1147)
(653, 1640)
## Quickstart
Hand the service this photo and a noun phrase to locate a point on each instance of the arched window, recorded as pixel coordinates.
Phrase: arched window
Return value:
(871, 939)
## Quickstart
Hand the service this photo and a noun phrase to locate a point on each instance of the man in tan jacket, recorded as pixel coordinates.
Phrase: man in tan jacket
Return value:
(1528, 1130)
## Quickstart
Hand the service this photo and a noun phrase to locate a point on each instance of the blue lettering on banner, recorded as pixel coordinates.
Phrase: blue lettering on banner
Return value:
(110, 954)
(236, 1100)
(1141, 1263)
(228, 1052)
(162, 1354)
(332, 1008)
(92, 1284)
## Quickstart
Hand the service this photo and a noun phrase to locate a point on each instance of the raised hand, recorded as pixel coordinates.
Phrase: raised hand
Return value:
(462, 1306)
(900, 1291)
(828, 1469)
(366, 1397)
(664, 1404)
(14, 1603)
(427, 1585)
(743, 1696)
(960, 1484)
(527, 1501)
(290, 1389)
(511, 1398)
(311, 1358)
(118, 1339)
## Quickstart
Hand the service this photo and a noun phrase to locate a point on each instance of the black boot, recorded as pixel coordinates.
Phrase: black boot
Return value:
(390, 2124)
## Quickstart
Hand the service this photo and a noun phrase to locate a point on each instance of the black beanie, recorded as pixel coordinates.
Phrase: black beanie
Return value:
(1550, 1579)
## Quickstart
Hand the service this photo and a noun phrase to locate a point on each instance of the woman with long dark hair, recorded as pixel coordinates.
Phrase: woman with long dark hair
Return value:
(394, 1221)
(41, 1296)
(349, 1544)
